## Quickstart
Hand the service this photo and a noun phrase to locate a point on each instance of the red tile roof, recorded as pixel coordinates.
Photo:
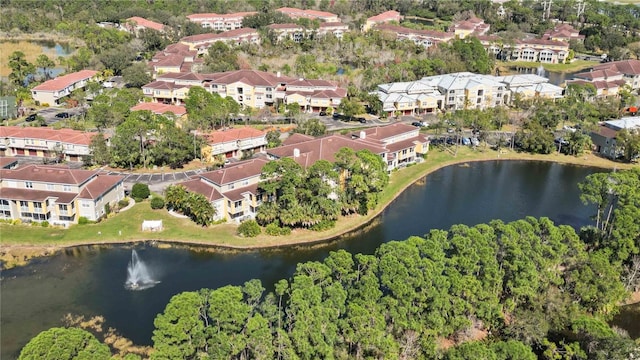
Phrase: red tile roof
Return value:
(145, 23)
(7, 161)
(221, 36)
(201, 187)
(384, 132)
(386, 16)
(99, 186)
(323, 148)
(49, 174)
(307, 13)
(606, 132)
(628, 67)
(62, 135)
(36, 195)
(237, 194)
(62, 82)
(251, 77)
(158, 108)
(236, 134)
(239, 171)
(284, 26)
(297, 138)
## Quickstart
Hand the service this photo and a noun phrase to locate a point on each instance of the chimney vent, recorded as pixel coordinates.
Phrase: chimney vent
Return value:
(363, 135)
(296, 152)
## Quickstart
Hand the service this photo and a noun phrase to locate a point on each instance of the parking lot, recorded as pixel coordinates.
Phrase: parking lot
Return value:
(49, 114)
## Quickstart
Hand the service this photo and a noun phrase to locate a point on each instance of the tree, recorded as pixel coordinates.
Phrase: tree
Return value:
(350, 108)
(64, 344)
(629, 141)
(136, 75)
(249, 228)
(273, 139)
(140, 191)
(117, 59)
(313, 127)
(221, 57)
(99, 151)
(21, 69)
(43, 62)
(180, 329)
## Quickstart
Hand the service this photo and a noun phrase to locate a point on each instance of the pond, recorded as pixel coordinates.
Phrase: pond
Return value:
(90, 280)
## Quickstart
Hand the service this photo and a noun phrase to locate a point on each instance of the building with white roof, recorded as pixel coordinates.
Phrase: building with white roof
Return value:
(531, 86)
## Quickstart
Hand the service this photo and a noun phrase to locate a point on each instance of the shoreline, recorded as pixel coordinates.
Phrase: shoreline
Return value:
(13, 255)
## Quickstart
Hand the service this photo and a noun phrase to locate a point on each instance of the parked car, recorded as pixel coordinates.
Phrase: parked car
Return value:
(475, 141)
(323, 113)
(418, 124)
(31, 117)
(63, 115)
(361, 120)
(336, 116)
(466, 141)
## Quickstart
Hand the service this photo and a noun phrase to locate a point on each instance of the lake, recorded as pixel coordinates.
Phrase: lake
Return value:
(90, 280)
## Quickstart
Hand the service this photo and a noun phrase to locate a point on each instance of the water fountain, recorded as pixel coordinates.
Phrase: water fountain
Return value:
(138, 277)
(540, 71)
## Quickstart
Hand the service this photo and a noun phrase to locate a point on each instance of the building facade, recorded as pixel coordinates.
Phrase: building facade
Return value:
(220, 22)
(58, 195)
(234, 143)
(55, 145)
(53, 91)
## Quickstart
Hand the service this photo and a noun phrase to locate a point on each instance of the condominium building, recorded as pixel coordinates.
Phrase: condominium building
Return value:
(58, 195)
(296, 13)
(46, 143)
(252, 88)
(53, 91)
(202, 42)
(136, 23)
(383, 18)
(426, 38)
(232, 190)
(630, 70)
(234, 143)
(563, 32)
(471, 26)
(297, 32)
(454, 91)
(220, 22)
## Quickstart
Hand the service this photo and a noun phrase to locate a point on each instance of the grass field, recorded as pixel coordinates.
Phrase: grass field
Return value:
(572, 67)
(30, 50)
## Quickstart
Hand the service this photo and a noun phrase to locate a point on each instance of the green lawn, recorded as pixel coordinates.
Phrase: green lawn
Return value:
(572, 67)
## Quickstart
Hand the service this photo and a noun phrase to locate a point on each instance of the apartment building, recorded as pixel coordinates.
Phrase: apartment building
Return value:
(202, 42)
(530, 86)
(383, 18)
(296, 13)
(604, 138)
(403, 142)
(454, 91)
(233, 143)
(53, 91)
(46, 143)
(220, 22)
(314, 95)
(472, 26)
(607, 81)
(297, 32)
(58, 195)
(232, 190)
(532, 50)
(563, 32)
(136, 23)
(175, 58)
(630, 70)
(426, 38)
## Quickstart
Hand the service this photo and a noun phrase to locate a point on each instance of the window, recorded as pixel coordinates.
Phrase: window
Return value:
(232, 186)
(50, 187)
(37, 206)
(246, 182)
(451, 98)
(85, 204)
(452, 91)
(66, 188)
(28, 184)
(63, 207)
(237, 204)
(480, 92)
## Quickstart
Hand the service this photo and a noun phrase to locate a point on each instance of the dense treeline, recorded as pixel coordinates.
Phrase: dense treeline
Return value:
(521, 290)
(525, 287)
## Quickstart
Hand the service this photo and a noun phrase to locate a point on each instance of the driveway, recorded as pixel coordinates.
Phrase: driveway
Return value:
(157, 181)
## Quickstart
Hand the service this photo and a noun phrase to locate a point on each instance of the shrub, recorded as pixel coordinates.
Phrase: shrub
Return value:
(123, 203)
(140, 191)
(323, 225)
(157, 202)
(82, 220)
(249, 228)
(274, 230)
(44, 224)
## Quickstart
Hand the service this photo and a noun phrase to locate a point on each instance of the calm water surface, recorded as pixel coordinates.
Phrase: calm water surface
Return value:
(90, 280)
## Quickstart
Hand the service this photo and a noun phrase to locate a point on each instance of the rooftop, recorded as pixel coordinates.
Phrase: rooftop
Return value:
(62, 82)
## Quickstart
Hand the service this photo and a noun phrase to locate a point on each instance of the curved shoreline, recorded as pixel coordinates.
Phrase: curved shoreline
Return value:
(18, 254)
